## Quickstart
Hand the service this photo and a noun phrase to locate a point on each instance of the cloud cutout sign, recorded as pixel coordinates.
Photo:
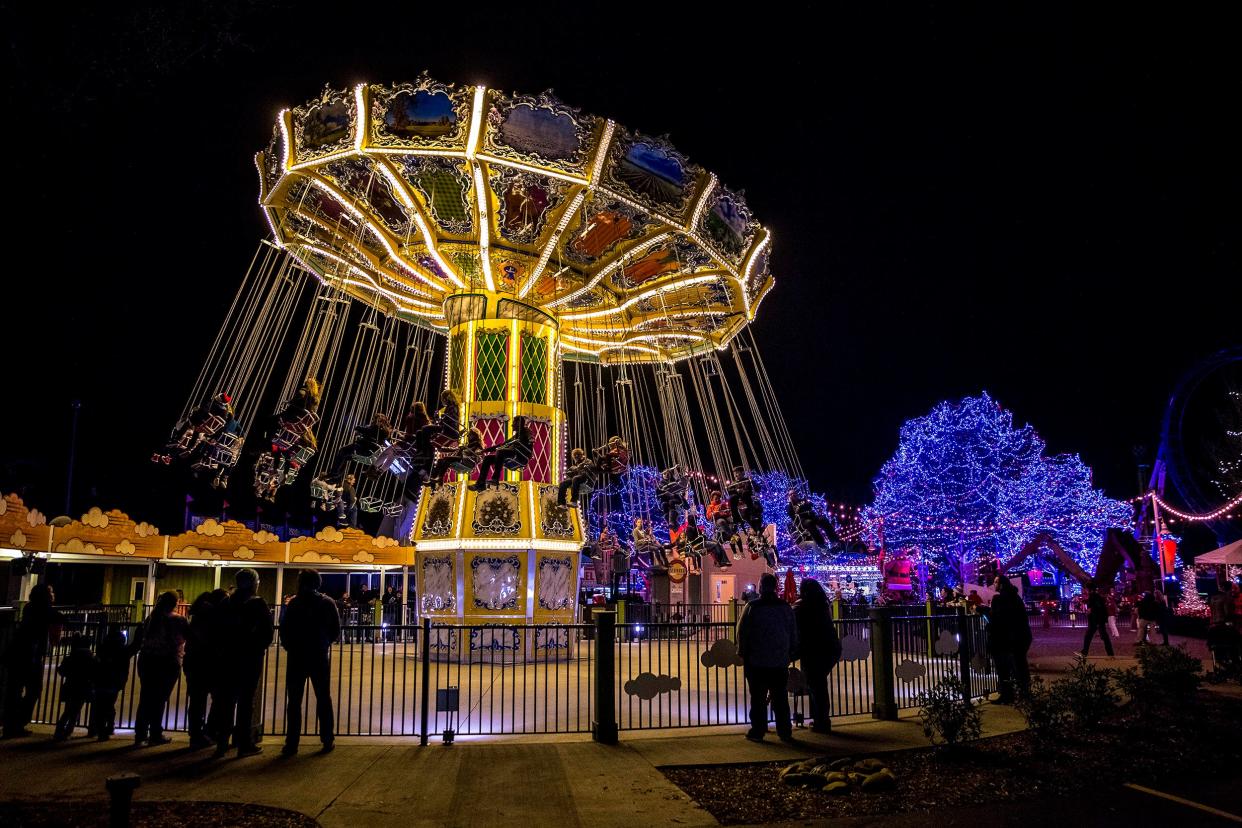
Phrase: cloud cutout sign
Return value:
(648, 685)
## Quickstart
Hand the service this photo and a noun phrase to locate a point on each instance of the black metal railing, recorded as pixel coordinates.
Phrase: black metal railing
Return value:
(492, 679)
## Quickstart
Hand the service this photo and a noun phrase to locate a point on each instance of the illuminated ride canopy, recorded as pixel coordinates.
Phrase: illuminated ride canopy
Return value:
(406, 195)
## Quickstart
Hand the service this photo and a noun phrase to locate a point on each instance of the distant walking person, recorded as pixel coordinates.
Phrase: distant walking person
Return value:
(78, 674)
(767, 640)
(1164, 615)
(111, 673)
(819, 647)
(1110, 601)
(242, 628)
(1148, 616)
(1097, 621)
(160, 654)
(311, 624)
(1009, 638)
(40, 625)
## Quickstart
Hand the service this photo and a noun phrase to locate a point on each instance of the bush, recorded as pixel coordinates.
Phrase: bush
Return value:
(948, 719)
(1089, 693)
(1165, 675)
(1047, 712)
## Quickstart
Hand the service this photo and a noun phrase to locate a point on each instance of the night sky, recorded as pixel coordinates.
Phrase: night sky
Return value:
(1044, 206)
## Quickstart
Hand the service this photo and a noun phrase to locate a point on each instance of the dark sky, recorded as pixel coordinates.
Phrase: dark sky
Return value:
(1044, 205)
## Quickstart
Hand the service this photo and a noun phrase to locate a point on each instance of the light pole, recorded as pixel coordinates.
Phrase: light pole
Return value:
(76, 405)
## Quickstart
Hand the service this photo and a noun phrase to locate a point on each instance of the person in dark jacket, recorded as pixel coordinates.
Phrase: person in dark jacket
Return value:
(1009, 638)
(77, 672)
(242, 631)
(580, 472)
(160, 655)
(819, 649)
(368, 439)
(311, 624)
(516, 449)
(199, 669)
(1097, 620)
(767, 640)
(40, 626)
(1148, 616)
(111, 673)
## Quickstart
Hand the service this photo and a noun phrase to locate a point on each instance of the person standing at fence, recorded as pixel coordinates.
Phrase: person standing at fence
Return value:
(310, 626)
(1164, 615)
(1097, 620)
(160, 653)
(767, 640)
(77, 672)
(1148, 615)
(111, 673)
(242, 627)
(40, 626)
(199, 668)
(1009, 639)
(819, 647)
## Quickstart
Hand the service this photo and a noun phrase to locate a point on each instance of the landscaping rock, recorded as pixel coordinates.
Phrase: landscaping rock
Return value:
(840, 764)
(805, 780)
(801, 766)
(837, 788)
(881, 780)
(869, 765)
(837, 776)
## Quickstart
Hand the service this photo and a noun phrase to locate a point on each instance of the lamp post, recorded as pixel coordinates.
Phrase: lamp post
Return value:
(76, 405)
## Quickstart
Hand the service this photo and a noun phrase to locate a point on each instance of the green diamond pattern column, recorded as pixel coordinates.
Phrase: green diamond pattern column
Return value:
(457, 364)
(534, 374)
(491, 365)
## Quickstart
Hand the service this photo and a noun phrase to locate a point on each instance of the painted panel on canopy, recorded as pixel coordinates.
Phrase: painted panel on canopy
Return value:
(605, 226)
(541, 130)
(423, 115)
(727, 223)
(323, 126)
(654, 173)
(661, 260)
(524, 201)
(704, 296)
(445, 189)
(370, 191)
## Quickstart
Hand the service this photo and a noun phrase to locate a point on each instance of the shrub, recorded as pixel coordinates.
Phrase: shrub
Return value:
(1047, 712)
(1165, 675)
(1089, 693)
(948, 719)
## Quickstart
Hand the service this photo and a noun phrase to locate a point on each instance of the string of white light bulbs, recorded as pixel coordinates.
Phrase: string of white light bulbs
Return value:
(1223, 511)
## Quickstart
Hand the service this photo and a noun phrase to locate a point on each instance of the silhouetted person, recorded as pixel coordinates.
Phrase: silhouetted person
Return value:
(111, 674)
(77, 672)
(160, 654)
(311, 624)
(767, 640)
(1097, 620)
(1009, 637)
(819, 647)
(199, 667)
(243, 628)
(40, 625)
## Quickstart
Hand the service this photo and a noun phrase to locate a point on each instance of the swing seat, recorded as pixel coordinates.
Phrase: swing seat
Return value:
(520, 459)
(301, 457)
(319, 490)
(370, 503)
(225, 450)
(300, 422)
(210, 426)
(392, 509)
(285, 439)
(464, 465)
(444, 442)
(368, 459)
(393, 458)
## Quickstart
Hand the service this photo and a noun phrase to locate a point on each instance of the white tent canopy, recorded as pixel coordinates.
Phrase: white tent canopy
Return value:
(1228, 554)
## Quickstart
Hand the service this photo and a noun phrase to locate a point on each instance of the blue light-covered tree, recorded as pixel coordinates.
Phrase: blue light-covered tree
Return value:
(965, 480)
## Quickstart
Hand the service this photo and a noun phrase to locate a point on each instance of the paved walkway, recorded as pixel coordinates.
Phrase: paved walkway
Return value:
(381, 782)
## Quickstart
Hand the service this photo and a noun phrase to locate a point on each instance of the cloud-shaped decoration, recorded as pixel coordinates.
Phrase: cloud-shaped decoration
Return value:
(314, 557)
(796, 682)
(648, 685)
(244, 553)
(979, 663)
(909, 671)
(855, 648)
(264, 536)
(125, 548)
(721, 654)
(330, 534)
(946, 644)
(4, 505)
(382, 542)
(195, 552)
(17, 540)
(96, 518)
(76, 545)
(36, 518)
(363, 556)
(211, 528)
(146, 530)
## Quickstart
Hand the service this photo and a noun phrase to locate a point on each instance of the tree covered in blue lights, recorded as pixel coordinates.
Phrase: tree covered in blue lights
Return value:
(966, 481)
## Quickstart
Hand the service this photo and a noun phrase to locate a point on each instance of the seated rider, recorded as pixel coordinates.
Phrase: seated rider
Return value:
(367, 441)
(305, 401)
(645, 543)
(207, 420)
(720, 516)
(470, 452)
(347, 505)
(518, 446)
(448, 417)
(671, 493)
(805, 520)
(612, 459)
(419, 429)
(743, 503)
(581, 471)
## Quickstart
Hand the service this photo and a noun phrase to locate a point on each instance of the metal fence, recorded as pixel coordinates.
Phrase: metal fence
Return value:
(425, 680)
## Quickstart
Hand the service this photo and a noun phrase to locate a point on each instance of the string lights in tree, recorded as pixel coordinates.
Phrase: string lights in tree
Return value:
(966, 481)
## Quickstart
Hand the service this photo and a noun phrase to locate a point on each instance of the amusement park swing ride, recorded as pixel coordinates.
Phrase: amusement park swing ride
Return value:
(483, 282)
